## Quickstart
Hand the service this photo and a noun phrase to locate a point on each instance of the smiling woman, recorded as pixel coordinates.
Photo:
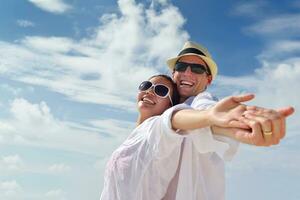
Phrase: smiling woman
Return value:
(155, 96)
(133, 165)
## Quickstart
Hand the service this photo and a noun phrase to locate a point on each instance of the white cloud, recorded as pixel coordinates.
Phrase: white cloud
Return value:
(277, 26)
(281, 50)
(8, 88)
(34, 125)
(12, 162)
(9, 185)
(9, 189)
(272, 158)
(116, 65)
(48, 45)
(53, 6)
(56, 194)
(114, 127)
(25, 23)
(59, 168)
(163, 2)
(250, 8)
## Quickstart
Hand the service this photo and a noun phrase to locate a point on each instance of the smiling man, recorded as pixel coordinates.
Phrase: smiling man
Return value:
(200, 170)
(193, 70)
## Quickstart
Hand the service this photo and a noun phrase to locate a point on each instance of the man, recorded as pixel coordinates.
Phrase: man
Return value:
(200, 172)
(194, 70)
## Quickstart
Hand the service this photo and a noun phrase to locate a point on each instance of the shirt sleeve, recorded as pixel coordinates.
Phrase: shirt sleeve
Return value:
(167, 123)
(150, 152)
(204, 140)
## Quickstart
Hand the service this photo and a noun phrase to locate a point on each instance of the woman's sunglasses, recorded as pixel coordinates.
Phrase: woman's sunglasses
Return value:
(158, 89)
(196, 68)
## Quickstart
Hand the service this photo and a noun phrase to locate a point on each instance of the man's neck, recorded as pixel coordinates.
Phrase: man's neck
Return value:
(182, 99)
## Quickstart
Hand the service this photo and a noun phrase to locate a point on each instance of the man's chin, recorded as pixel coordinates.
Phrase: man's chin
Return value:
(184, 92)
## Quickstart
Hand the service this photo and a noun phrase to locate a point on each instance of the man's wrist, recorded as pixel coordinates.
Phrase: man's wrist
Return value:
(210, 119)
(228, 132)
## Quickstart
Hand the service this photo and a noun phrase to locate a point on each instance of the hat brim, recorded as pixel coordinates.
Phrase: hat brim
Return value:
(211, 64)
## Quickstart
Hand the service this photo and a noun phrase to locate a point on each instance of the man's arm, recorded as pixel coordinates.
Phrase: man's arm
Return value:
(225, 113)
(246, 124)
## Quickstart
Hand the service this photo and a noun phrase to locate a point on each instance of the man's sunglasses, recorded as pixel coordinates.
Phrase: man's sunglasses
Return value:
(196, 68)
(158, 89)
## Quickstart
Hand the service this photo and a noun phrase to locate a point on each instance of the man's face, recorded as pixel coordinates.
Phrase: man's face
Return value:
(188, 82)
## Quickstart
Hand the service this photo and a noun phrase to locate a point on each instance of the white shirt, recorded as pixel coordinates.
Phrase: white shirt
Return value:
(143, 167)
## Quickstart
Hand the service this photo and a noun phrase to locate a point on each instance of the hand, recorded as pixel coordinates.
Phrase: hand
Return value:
(263, 121)
(228, 111)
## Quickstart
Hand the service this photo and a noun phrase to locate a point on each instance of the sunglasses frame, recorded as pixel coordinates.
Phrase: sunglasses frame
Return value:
(153, 86)
(194, 67)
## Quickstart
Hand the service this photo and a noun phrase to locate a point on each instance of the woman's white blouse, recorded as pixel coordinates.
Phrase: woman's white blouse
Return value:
(144, 165)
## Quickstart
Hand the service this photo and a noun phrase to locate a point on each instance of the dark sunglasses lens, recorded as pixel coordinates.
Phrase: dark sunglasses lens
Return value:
(145, 85)
(181, 67)
(198, 69)
(161, 90)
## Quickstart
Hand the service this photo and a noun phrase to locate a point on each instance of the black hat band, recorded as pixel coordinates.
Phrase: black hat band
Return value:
(191, 50)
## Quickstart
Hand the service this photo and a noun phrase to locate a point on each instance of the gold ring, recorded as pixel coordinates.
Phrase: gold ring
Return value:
(268, 132)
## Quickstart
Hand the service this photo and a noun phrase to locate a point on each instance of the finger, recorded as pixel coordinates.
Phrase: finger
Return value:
(287, 111)
(238, 124)
(256, 136)
(243, 135)
(259, 111)
(278, 132)
(233, 101)
(243, 98)
(266, 127)
(276, 121)
(251, 108)
(283, 124)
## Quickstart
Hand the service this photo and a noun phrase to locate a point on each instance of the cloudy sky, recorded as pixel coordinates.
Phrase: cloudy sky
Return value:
(69, 71)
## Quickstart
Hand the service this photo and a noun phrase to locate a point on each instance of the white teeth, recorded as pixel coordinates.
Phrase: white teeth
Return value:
(186, 83)
(148, 100)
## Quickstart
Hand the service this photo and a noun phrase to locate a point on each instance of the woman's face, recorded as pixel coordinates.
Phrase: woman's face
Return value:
(151, 104)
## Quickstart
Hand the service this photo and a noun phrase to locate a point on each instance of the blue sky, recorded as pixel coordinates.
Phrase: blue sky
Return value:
(69, 72)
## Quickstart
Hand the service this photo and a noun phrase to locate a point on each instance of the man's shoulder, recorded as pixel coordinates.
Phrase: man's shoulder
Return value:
(200, 96)
(203, 99)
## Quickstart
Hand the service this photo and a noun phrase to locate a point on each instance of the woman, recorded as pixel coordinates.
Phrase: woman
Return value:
(142, 167)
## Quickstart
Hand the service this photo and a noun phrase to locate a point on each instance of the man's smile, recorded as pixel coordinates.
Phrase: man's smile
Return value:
(184, 83)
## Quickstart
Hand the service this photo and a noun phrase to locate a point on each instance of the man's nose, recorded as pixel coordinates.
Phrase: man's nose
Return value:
(188, 70)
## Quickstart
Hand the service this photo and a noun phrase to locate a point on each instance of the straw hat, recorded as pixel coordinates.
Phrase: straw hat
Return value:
(192, 48)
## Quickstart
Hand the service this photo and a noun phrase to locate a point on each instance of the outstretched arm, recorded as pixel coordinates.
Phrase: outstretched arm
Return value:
(225, 113)
(247, 124)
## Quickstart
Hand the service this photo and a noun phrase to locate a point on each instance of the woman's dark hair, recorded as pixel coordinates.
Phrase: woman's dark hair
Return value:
(175, 97)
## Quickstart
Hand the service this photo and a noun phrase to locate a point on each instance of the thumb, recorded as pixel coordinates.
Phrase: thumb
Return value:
(243, 98)
(233, 101)
(287, 111)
